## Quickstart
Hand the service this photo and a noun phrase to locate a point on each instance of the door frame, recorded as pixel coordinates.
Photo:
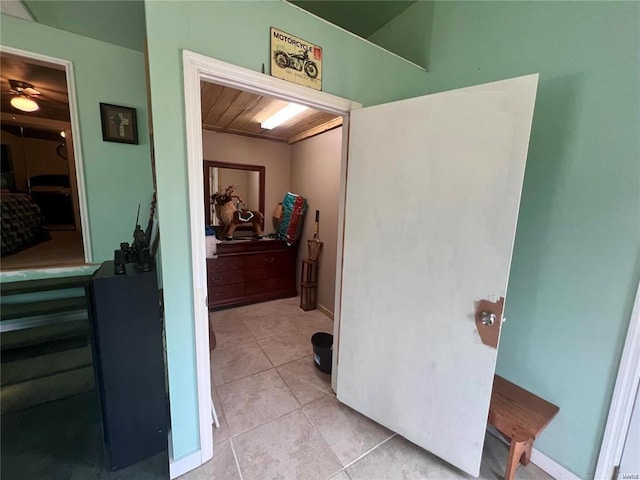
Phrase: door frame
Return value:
(624, 394)
(75, 146)
(196, 68)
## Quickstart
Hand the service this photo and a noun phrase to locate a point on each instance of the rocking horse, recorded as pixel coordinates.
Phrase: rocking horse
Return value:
(232, 216)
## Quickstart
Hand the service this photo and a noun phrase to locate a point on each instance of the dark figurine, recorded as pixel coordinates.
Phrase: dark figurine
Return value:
(124, 247)
(139, 240)
(138, 253)
(119, 262)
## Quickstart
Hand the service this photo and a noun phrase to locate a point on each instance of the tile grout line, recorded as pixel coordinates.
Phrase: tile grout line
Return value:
(283, 364)
(393, 434)
(324, 440)
(324, 394)
(264, 423)
(274, 367)
(235, 457)
(261, 371)
(242, 378)
(222, 415)
(288, 388)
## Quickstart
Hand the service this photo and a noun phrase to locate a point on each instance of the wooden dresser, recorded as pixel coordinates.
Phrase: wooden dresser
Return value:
(251, 271)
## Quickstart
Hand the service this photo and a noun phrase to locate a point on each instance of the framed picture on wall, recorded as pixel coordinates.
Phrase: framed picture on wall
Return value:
(119, 124)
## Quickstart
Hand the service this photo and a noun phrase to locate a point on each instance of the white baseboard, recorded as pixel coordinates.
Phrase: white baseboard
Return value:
(184, 464)
(544, 463)
(326, 311)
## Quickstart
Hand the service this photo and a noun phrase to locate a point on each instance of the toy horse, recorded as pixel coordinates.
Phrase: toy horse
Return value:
(231, 216)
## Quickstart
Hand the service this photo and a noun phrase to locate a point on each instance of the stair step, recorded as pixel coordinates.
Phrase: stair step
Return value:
(45, 284)
(33, 337)
(31, 368)
(46, 389)
(42, 348)
(47, 307)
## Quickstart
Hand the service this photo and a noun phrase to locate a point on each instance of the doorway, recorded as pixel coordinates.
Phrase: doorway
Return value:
(198, 68)
(43, 194)
(262, 333)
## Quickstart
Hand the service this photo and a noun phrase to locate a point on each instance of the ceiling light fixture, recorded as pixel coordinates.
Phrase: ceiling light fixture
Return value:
(23, 92)
(24, 103)
(62, 134)
(281, 116)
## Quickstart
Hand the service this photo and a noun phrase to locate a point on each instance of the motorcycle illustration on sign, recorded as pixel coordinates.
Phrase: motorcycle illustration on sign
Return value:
(295, 60)
(299, 61)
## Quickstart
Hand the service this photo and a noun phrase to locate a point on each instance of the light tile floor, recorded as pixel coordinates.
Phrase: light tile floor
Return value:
(279, 418)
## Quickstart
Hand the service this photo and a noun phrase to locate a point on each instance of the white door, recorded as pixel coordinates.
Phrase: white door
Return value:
(433, 192)
(630, 460)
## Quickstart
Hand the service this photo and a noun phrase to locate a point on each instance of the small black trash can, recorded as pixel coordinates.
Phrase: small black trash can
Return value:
(322, 350)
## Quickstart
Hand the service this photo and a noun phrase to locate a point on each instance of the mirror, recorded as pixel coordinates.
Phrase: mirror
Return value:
(249, 179)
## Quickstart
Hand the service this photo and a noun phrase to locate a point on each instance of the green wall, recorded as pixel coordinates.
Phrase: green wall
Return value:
(117, 176)
(408, 34)
(115, 21)
(238, 33)
(362, 17)
(575, 264)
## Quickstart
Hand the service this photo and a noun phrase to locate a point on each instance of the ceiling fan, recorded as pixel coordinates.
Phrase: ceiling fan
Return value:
(24, 97)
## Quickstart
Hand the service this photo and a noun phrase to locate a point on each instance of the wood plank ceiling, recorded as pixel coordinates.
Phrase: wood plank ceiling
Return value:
(228, 110)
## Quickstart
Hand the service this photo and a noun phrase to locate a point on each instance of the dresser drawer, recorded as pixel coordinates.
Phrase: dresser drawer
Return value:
(260, 273)
(268, 285)
(269, 260)
(250, 272)
(224, 292)
(220, 264)
(216, 277)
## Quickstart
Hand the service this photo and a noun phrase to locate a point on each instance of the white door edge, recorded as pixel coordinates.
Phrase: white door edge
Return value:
(196, 68)
(624, 394)
(184, 464)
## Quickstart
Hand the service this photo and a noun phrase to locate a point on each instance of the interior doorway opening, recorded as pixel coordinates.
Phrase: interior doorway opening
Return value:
(199, 69)
(268, 294)
(43, 199)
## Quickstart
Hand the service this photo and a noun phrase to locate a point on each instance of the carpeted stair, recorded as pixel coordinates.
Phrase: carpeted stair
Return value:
(45, 352)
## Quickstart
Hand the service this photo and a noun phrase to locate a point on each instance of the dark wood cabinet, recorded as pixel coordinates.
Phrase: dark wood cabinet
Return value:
(251, 271)
(126, 333)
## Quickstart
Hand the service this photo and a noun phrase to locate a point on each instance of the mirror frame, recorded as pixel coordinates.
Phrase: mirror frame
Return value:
(238, 166)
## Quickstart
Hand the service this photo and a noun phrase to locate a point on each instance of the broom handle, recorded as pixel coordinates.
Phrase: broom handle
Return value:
(315, 226)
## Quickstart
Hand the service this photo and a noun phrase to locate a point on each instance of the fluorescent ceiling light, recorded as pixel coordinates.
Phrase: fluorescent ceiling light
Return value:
(287, 113)
(24, 103)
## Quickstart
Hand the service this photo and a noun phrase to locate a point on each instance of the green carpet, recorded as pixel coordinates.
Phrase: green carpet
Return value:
(62, 440)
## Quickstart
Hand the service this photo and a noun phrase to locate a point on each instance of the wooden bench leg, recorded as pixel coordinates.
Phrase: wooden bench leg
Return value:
(526, 455)
(519, 451)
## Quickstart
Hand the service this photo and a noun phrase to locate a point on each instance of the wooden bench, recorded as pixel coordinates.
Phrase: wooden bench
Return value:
(520, 417)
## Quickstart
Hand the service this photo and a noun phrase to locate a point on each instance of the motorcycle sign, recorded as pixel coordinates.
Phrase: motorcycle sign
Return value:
(295, 60)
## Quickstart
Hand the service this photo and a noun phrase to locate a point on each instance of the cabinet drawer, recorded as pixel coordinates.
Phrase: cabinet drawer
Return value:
(224, 277)
(223, 292)
(269, 260)
(268, 285)
(260, 273)
(226, 264)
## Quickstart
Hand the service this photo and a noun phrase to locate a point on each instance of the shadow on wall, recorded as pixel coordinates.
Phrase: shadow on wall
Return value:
(554, 120)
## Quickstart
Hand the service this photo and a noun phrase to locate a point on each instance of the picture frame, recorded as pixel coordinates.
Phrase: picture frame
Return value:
(295, 60)
(119, 124)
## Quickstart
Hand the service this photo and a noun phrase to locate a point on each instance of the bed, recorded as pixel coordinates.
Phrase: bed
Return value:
(21, 223)
(52, 193)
